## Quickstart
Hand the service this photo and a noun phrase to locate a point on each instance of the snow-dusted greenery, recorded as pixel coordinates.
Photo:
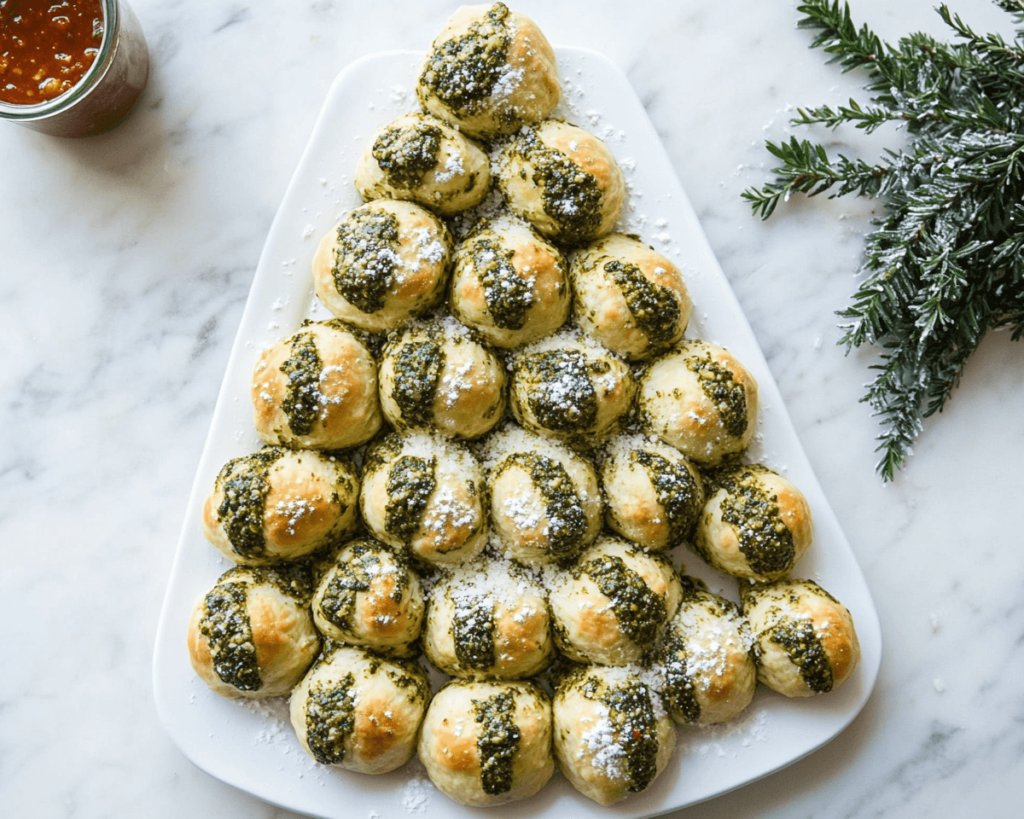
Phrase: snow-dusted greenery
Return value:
(945, 262)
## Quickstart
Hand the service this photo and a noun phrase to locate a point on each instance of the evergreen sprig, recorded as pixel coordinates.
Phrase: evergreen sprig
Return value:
(944, 263)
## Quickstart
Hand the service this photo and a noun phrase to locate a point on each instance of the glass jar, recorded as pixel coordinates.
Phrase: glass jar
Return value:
(108, 90)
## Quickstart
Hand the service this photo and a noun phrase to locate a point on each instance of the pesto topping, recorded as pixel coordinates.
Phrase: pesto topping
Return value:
(508, 295)
(804, 649)
(368, 560)
(366, 258)
(244, 482)
(569, 195)
(410, 485)
(654, 307)
(639, 611)
(560, 393)
(330, 719)
(225, 624)
(464, 72)
(632, 715)
(303, 400)
(497, 741)
(473, 631)
(764, 539)
(567, 522)
(679, 692)
(406, 153)
(677, 491)
(292, 578)
(724, 391)
(418, 366)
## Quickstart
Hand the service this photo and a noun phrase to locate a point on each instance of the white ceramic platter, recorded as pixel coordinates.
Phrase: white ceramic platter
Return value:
(251, 746)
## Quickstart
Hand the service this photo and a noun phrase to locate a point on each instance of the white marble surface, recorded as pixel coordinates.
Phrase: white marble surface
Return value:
(125, 262)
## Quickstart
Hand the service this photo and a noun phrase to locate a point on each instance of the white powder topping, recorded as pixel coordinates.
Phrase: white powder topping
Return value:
(507, 82)
(416, 794)
(452, 168)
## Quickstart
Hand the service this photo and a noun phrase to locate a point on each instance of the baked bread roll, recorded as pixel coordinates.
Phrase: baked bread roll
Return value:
(426, 494)
(563, 180)
(609, 607)
(370, 597)
(653, 493)
(488, 743)
(755, 524)
(545, 501)
(509, 284)
(570, 388)
(280, 504)
(706, 661)
(805, 640)
(700, 400)
(358, 711)
(385, 262)
(488, 618)
(434, 376)
(629, 297)
(420, 158)
(252, 635)
(612, 735)
(316, 389)
(489, 71)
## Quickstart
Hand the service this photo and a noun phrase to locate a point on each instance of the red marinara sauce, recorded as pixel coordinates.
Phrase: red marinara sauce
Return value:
(46, 46)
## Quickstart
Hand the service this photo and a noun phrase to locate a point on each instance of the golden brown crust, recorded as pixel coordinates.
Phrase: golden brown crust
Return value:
(449, 748)
(529, 88)
(676, 409)
(422, 258)
(348, 410)
(825, 661)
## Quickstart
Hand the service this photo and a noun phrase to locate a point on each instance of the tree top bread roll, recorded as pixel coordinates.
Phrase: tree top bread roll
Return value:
(489, 71)
(421, 158)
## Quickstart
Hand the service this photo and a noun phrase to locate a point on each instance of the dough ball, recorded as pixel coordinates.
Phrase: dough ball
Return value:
(755, 524)
(489, 71)
(370, 596)
(420, 158)
(487, 743)
(805, 641)
(358, 711)
(252, 634)
(612, 735)
(706, 662)
(280, 504)
(433, 375)
(629, 297)
(316, 389)
(426, 494)
(509, 284)
(385, 262)
(570, 388)
(609, 607)
(700, 400)
(653, 493)
(563, 180)
(488, 618)
(545, 501)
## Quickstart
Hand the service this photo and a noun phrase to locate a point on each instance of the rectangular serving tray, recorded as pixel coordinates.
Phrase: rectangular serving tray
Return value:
(251, 745)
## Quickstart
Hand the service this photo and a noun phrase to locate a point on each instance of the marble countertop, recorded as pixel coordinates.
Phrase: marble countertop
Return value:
(125, 262)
